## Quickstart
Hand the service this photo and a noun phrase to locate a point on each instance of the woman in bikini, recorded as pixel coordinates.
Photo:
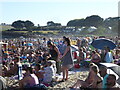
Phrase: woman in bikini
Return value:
(92, 81)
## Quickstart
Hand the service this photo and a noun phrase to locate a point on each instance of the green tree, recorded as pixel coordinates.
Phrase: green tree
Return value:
(50, 23)
(28, 25)
(76, 22)
(113, 23)
(119, 28)
(93, 20)
(18, 24)
(101, 31)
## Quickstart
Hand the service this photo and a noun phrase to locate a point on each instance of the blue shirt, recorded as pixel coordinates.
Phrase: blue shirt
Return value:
(109, 57)
(104, 86)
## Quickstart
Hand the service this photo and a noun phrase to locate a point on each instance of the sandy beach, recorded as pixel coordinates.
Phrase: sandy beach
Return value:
(74, 74)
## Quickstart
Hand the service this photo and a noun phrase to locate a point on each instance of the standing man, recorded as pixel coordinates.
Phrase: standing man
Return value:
(108, 55)
(54, 52)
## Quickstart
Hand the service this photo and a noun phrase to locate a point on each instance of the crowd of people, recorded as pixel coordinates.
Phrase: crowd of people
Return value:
(37, 61)
(98, 78)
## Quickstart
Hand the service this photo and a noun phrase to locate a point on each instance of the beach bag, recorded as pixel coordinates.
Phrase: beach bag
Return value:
(76, 66)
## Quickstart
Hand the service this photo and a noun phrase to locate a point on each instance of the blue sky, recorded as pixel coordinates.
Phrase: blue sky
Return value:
(58, 11)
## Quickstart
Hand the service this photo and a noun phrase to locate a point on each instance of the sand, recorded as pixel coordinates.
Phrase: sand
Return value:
(74, 74)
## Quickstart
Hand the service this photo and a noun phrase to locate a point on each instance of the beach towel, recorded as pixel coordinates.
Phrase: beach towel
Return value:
(2, 83)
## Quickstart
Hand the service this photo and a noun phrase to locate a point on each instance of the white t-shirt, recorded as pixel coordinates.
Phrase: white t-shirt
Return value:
(2, 83)
(49, 73)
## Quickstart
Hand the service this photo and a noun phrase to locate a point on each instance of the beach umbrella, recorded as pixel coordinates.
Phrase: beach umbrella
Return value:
(102, 43)
(113, 69)
(116, 70)
(30, 44)
(23, 57)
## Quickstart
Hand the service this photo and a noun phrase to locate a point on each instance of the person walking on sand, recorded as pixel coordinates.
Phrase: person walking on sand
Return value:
(67, 59)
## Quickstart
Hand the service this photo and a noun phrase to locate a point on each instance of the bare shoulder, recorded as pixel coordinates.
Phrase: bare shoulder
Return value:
(99, 77)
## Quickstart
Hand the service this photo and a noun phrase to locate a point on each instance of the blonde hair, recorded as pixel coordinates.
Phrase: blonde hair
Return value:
(91, 64)
(95, 68)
